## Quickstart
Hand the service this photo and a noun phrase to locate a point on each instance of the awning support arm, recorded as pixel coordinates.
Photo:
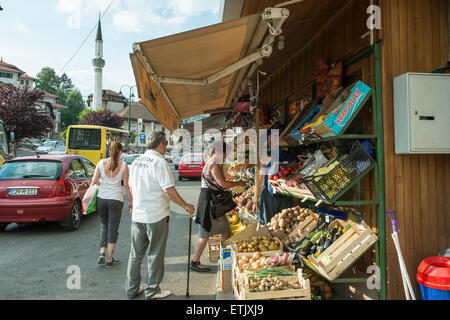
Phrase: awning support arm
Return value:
(274, 17)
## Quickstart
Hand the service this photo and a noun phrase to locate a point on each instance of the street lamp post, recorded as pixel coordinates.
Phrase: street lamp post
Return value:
(129, 104)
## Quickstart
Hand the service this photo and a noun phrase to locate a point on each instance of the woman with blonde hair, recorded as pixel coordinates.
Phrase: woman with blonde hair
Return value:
(109, 175)
(213, 183)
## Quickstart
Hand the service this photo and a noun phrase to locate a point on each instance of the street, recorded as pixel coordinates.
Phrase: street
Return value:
(34, 259)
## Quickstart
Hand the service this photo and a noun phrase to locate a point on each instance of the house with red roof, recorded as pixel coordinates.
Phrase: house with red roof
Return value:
(10, 74)
(110, 100)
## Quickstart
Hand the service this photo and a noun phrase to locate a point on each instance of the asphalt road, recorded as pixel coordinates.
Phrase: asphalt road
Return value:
(36, 260)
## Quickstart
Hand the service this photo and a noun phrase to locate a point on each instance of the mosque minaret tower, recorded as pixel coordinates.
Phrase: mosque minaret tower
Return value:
(98, 64)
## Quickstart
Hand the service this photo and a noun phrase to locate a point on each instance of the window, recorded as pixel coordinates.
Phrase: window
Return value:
(90, 168)
(192, 159)
(84, 139)
(6, 75)
(31, 170)
(76, 170)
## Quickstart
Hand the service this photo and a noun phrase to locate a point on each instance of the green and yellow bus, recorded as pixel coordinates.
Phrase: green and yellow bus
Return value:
(92, 142)
(4, 147)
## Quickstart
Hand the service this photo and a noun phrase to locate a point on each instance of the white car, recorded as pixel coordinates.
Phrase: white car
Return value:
(49, 146)
(59, 150)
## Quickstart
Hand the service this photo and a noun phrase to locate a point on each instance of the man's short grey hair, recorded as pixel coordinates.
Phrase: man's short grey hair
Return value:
(155, 139)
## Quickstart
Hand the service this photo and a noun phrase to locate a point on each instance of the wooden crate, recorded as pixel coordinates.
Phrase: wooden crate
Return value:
(214, 249)
(292, 294)
(305, 227)
(272, 253)
(344, 251)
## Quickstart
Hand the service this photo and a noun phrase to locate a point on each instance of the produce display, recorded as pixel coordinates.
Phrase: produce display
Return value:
(320, 239)
(257, 244)
(235, 223)
(251, 263)
(257, 261)
(285, 171)
(245, 202)
(288, 219)
(317, 282)
(271, 283)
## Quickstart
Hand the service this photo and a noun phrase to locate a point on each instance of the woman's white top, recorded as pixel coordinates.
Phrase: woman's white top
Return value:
(111, 188)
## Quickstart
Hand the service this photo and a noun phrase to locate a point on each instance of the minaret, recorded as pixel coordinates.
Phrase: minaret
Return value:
(98, 64)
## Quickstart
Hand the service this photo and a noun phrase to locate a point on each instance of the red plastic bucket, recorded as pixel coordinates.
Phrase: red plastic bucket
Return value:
(434, 273)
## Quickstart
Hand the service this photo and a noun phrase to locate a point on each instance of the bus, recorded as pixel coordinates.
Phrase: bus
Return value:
(4, 148)
(92, 142)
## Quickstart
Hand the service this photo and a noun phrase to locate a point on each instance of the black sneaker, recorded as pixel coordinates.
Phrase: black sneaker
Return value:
(112, 263)
(101, 259)
(195, 266)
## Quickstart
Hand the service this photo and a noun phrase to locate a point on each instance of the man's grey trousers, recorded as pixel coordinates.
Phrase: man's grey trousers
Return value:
(154, 238)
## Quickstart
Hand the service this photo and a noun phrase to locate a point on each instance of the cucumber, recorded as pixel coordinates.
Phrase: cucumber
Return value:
(316, 237)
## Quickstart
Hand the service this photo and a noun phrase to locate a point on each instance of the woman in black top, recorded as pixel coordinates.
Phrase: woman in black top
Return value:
(213, 180)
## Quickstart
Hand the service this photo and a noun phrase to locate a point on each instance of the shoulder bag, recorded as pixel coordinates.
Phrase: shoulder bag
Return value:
(220, 202)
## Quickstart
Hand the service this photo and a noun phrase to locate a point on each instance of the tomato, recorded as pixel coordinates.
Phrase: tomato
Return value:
(271, 177)
(276, 177)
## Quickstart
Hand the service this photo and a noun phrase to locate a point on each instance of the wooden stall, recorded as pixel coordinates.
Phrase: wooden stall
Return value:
(413, 38)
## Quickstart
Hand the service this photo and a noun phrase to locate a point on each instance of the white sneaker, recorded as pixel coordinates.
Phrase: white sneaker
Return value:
(161, 295)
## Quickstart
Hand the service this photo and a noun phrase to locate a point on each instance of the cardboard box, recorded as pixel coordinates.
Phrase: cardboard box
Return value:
(255, 229)
(226, 261)
(359, 95)
(225, 280)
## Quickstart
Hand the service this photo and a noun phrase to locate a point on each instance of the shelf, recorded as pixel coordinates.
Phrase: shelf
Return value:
(339, 194)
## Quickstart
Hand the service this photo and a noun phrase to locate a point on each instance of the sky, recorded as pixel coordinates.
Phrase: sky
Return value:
(39, 33)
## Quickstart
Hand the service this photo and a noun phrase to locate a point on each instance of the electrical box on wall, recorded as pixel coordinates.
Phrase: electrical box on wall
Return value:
(422, 113)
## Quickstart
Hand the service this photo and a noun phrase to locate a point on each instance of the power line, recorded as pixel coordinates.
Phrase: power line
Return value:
(84, 41)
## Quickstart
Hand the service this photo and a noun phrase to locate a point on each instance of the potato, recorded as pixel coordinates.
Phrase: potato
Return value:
(282, 223)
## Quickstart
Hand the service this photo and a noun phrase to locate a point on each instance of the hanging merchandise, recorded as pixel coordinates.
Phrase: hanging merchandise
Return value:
(335, 76)
(322, 79)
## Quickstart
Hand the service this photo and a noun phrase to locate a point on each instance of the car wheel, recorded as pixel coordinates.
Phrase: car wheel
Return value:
(73, 219)
(180, 178)
(3, 226)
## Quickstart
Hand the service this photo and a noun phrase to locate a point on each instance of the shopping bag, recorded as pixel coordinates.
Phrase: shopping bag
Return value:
(90, 200)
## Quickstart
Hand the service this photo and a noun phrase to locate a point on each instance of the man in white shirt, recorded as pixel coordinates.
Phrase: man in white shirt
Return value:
(153, 187)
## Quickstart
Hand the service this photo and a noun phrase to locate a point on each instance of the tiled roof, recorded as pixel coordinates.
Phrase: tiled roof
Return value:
(138, 111)
(50, 95)
(12, 68)
(24, 76)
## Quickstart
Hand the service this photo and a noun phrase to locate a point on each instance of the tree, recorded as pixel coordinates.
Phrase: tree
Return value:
(47, 80)
(74, 102)
(105, 118)
(19, 114)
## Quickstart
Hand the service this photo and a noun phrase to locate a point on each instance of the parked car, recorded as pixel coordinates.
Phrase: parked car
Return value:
(191, 165)
(49, 146)
(130, 158)
(177, 160)
(44, 188)
(59, 150)
(35, 142)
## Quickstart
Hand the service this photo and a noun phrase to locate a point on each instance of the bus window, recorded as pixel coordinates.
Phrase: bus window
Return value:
(84, 139)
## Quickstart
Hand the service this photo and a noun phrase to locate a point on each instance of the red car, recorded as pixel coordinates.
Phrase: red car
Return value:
(44, 188)
(191, 165)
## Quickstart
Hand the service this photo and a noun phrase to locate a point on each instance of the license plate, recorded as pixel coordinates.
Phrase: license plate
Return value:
(193, 166)
(22, 192)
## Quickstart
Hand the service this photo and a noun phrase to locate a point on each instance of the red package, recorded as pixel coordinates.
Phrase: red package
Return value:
(335, 76)
(322, 79)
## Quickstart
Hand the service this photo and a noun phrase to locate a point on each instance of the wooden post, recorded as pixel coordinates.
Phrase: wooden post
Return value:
(258, 159)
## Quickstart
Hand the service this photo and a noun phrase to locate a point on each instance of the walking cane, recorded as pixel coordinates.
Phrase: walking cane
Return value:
(189, 256)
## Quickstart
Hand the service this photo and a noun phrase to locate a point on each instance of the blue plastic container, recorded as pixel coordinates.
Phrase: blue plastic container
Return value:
(434, 294)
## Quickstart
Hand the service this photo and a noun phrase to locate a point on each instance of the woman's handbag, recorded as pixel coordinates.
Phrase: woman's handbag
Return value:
(220, 202)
